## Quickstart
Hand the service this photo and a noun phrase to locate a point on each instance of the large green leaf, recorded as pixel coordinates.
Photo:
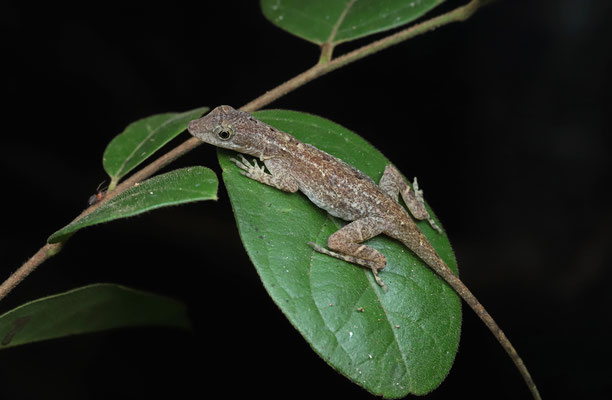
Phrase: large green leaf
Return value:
(176, 187)
(143, 138)
(336, 21)
(87, 309)
(392, 344)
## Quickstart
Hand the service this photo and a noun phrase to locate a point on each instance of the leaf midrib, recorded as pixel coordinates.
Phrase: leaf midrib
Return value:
(338, 23)
(139, 146)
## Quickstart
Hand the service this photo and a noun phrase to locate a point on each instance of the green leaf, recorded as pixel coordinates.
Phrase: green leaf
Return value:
(392, 344)
(143, 138)
(88, 309)
(336, 21)
(176, 187)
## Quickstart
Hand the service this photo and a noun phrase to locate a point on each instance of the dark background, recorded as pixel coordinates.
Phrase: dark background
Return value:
(505, 119)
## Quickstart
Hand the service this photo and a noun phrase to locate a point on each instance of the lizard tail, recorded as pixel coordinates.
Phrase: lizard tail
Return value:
(424, 250)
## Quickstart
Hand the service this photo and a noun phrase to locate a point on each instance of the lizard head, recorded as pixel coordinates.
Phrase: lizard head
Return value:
(224, 127)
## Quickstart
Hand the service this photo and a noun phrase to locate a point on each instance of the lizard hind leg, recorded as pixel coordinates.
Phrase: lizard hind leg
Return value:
(345, 244)
(393, 184)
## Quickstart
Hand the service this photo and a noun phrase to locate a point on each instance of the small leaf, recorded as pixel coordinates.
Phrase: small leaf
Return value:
(176, 187)
(91, 308)
(392, 344)
(143, 138)
(337, 21)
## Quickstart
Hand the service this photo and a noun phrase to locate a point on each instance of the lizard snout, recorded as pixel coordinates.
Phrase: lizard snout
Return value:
(192, 126)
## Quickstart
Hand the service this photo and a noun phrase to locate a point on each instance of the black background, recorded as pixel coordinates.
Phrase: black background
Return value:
(504, 118)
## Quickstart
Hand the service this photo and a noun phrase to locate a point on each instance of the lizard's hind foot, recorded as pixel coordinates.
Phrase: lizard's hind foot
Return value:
(352, 260)
(378, 280)
(418, 193)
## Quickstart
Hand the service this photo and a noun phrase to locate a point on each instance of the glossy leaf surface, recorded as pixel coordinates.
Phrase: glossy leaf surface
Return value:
(392, 344)
(336, 21)
(143, 138)
(88, 309)
(180, 186)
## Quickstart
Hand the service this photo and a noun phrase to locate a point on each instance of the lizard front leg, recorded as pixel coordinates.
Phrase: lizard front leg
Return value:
(347, 245)
(394, 184)
(277, 178)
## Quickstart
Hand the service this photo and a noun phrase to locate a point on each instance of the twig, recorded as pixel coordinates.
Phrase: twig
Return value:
(322, 68)
(326, 64)
(47, 251)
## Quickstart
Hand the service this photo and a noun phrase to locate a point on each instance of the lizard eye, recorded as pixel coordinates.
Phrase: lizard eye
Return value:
(224, 133)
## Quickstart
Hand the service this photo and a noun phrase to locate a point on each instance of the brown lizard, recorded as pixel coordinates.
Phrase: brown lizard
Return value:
(344, 192)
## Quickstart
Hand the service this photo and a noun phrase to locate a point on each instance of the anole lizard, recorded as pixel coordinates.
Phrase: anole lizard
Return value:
(344, 192)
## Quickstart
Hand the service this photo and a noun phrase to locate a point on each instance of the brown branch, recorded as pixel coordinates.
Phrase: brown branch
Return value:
(459, 14)
(326, 64)
(456, 15)
(47, 251)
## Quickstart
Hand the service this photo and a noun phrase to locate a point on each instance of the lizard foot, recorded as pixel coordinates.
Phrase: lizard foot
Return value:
(252, 171)
(352, 260)
(418, 193)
